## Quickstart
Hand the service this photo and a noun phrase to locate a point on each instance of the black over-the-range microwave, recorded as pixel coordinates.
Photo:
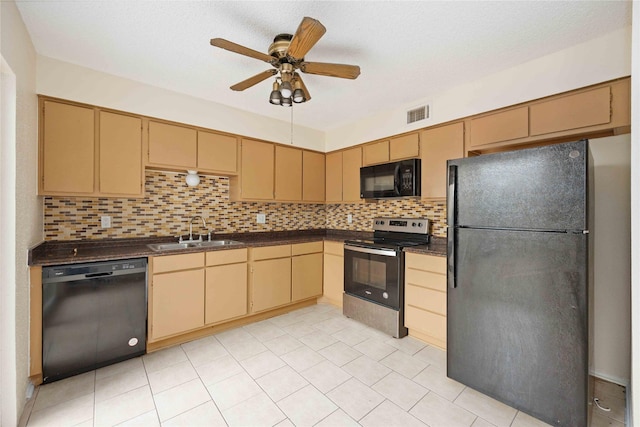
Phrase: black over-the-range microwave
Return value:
(397, 179)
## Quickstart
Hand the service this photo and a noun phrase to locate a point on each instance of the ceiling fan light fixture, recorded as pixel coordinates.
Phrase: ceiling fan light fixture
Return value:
(298, 93)
(286, 89)
(275, 98)
(286, 102)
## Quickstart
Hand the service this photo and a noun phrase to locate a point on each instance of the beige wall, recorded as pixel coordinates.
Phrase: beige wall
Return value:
(20, 55)
(611, 234)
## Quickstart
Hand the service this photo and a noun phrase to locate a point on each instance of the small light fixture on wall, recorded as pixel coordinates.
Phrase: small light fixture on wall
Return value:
(192, 178)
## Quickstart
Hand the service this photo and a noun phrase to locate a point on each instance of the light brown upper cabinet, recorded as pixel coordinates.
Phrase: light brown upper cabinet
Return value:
(313, 176)
(398, 148)
(288, 173)
(439, 145)
(499, 127)
(172, 146)
(376, 152)
(572, 112)
(67, 147)
(256, 171)
(121, 171)
(85, 151)
(217, 153)
(600, 110)
(333, 188)
(351, 164)
(404, 147)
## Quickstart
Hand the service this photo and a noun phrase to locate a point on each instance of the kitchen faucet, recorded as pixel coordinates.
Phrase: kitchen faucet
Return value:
(204, 224)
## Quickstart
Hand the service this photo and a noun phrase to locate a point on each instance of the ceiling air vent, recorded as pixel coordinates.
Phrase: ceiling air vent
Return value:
(418, 114)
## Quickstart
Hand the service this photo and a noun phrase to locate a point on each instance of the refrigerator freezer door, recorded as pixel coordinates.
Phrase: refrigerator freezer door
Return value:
(542, 188)
(517, 324)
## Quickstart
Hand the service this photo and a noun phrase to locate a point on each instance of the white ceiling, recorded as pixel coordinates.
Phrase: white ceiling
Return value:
(406, 50)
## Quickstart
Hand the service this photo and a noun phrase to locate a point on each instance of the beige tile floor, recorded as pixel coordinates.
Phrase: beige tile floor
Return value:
(310, 367)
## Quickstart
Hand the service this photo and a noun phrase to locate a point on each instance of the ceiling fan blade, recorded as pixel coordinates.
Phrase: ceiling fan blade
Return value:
(333, 70)
(307, 95)
(234, 47)
(308, 33)
(245, 84)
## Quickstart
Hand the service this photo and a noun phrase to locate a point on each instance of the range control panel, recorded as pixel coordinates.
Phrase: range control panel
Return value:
(402, 225)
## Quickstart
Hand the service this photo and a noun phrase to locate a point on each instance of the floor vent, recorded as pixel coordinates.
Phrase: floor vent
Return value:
(418, 114)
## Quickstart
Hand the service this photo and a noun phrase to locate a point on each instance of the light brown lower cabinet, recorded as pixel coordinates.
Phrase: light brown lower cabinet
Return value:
(306, 270)
(426, 298)
(177, 302)
(225, 285)
(270, 277)
(333, 272)
(189, 291)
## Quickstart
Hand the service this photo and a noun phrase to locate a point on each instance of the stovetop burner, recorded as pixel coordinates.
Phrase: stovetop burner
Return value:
(396, 233)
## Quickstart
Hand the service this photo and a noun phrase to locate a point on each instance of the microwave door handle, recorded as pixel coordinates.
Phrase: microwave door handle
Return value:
(397, 182)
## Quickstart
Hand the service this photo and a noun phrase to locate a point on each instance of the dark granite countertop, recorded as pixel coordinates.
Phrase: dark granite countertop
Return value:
(437, 246)
(73, 252)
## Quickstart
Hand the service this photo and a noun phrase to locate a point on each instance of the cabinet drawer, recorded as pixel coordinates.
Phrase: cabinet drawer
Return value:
(334, 248)
(436, 264)
(177, 262)
(427, 279)
(378, 152)
(404, 147)
(268, 252)
(426, 299)
(503, 126)
(426, 322)
(230, 256)
(306, 248)
(572, 112)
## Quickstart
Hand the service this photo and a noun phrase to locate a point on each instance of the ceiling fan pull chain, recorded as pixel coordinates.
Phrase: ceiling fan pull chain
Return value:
(291, 124)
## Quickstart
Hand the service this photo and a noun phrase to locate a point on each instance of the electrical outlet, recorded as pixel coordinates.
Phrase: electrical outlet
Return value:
(349, 218)
(105, 221)
(261, 218)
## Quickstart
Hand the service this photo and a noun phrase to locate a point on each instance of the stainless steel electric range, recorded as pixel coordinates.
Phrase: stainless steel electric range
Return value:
(374, 273)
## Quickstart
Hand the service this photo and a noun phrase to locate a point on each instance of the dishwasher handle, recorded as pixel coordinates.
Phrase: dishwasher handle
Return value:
(92, 275)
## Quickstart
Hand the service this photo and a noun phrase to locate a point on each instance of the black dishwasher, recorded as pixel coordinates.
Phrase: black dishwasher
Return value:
(93, 315)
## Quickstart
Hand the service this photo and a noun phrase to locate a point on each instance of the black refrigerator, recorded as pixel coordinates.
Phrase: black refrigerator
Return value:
(517, 297)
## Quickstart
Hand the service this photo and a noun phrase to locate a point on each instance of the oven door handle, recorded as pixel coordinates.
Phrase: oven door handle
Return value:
(383, 252)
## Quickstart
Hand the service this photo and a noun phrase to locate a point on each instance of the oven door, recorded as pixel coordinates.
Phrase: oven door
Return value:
(374, 274)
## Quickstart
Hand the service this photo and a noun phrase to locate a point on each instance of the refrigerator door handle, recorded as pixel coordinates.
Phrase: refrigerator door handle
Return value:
(451, 223)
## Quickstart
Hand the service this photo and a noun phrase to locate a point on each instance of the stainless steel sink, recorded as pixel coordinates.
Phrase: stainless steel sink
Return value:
(159, 247)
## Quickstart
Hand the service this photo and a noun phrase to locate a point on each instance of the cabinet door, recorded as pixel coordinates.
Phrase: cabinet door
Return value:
(225, 292)
(404, 147)
(270, 283)
(306, 276)
(67, 149)
(498, 127)
(120, 142)
(333, 278)
(333, 177)
(171, 145)
(312, 176)
(178, 302)
(584, 109)
(377, 152)
(438, 146)
(257, 170)
(288, 173)
(217, 152)
(351, 164)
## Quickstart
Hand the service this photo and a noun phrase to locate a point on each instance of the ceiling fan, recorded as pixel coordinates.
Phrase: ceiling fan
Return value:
(286, 55)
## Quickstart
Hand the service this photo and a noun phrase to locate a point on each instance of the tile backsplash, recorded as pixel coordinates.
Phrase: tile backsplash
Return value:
(169, 203)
